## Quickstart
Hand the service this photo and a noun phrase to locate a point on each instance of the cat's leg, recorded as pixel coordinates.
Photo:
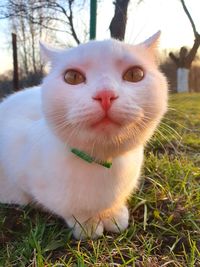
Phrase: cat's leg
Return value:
(10, 193)
(84, 228)
(116, 220)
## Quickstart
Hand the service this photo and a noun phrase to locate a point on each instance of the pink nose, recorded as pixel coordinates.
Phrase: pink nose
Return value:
(105, 98)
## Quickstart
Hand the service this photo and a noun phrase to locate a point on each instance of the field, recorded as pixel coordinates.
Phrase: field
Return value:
(165, 211)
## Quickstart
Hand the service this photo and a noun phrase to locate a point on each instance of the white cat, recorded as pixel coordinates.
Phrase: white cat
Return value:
(100, 102)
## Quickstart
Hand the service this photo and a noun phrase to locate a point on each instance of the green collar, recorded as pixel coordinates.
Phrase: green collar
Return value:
(90, 159)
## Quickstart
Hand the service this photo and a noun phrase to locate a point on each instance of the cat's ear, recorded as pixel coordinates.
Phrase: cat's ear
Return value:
(48, 53)
(153, 41)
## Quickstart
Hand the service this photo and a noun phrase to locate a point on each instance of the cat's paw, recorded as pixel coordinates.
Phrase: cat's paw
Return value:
(117, 220)
(90, 229)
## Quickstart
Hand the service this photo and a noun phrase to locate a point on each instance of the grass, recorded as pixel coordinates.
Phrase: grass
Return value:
(164, 214)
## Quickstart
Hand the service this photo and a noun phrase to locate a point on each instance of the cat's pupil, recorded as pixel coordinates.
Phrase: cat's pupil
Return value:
(74, 77)
(134, 74)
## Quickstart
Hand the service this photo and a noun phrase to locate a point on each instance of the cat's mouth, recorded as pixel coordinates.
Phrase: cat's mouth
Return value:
(105, 121)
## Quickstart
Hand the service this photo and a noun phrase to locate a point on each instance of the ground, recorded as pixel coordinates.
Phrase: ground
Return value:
(165, 211)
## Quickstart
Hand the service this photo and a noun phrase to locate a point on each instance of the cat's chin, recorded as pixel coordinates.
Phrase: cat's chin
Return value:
(106, 140)
(105, 149)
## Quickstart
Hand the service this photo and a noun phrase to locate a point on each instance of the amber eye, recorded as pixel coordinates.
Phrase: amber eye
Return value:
(74, 77)
(134, 74)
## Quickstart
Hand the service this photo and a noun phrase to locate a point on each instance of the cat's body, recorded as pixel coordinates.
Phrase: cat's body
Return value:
(103, 115)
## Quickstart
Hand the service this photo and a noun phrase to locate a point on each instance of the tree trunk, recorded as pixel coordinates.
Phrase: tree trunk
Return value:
(183, 63)
(185, 58)
(32, 33)
(15, 63)
(24, 46)
(182, 80)
(118, 23)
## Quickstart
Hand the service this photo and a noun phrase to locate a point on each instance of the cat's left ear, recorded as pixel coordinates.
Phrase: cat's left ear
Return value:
(153, 41)
(48, 53)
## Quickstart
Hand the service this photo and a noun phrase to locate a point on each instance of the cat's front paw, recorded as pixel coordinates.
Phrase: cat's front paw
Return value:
(89, 229)
(117, 220)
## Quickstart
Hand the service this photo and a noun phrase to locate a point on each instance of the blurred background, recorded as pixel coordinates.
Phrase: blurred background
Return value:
(66, 23)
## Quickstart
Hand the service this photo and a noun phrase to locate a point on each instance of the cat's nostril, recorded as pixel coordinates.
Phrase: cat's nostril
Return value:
(105, 97)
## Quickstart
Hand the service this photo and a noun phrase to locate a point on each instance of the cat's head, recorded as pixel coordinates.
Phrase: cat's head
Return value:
(104, 97)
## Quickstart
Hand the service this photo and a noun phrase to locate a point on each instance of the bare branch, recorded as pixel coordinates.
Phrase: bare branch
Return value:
(22, 9)
(191, 55)
(71, 23)
(189, 17)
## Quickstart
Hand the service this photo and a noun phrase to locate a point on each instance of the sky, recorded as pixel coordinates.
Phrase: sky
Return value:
(143, 21)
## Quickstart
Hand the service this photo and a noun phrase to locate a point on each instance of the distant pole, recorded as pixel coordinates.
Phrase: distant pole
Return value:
(93, 20)
(15, 63)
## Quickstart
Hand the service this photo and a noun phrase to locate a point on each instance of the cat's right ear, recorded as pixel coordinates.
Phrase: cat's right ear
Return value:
(152, 42)
(48, 53)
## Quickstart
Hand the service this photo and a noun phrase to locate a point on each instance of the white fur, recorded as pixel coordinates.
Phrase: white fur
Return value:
(39, 126)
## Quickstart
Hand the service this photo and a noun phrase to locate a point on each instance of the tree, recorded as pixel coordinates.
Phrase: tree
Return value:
(56, 15)
(184, 60)
(20, 14)
(32, 19)
(118, 23)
